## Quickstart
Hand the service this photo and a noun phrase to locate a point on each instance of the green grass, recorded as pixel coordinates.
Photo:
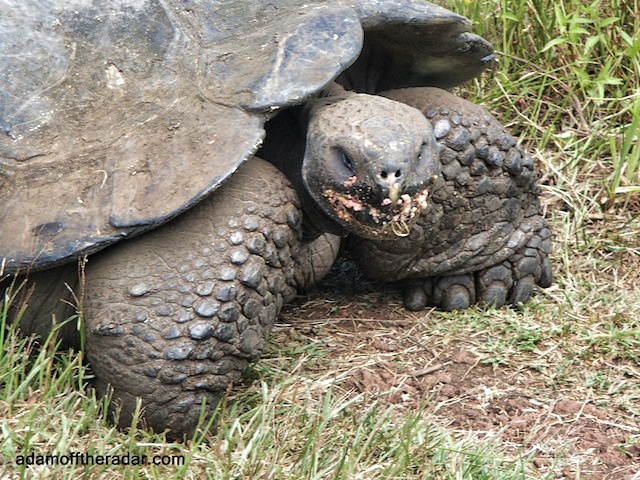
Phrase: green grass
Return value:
(272, 430)
(567, 84)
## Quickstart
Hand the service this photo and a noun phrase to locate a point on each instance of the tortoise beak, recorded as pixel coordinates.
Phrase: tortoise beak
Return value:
(394, 190)
(390, 180)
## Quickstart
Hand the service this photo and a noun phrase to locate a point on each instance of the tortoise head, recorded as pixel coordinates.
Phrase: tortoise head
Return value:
(368, 164)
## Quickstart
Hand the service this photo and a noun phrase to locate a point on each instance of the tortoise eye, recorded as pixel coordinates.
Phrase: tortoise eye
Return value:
(347, 161)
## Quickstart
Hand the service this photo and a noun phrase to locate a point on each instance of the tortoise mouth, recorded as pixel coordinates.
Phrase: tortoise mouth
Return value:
(371, 213)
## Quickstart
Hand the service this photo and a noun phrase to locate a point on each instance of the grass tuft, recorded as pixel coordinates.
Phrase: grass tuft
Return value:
(355, 387)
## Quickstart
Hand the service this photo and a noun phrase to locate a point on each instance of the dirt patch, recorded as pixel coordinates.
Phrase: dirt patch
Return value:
(374, 346)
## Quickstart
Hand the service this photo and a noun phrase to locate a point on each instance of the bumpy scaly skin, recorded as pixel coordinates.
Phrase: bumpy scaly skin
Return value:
(174, 316)
(482, 238)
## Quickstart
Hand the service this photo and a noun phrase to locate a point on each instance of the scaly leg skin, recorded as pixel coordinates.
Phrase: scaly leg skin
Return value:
(482, 237)
(174, 316)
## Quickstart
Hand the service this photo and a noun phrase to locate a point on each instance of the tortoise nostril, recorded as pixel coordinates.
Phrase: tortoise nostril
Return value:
(385, 175)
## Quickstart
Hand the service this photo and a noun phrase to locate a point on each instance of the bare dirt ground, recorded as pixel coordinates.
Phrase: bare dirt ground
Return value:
(571, 409)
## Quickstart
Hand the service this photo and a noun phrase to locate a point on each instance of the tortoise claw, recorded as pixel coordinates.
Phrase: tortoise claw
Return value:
(510, 282)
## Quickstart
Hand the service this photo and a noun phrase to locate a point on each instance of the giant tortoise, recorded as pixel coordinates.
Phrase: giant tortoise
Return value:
(185, 166)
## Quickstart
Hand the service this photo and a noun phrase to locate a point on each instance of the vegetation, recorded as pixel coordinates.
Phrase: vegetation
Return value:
(355, 387)
(567, 82)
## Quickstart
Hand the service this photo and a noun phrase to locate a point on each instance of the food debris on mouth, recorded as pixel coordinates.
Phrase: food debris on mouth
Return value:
(408, 209)
(401, 229)
(351, 202)
(351, 181)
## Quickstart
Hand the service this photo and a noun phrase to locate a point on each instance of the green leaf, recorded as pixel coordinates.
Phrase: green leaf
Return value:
(608, 21)
(510, 16)
(590, 43)
(554, 43)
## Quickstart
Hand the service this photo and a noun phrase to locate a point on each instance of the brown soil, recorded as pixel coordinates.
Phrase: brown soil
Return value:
(376, 347)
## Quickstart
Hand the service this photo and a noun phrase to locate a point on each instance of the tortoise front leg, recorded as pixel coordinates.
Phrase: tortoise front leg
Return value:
(174, 316)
